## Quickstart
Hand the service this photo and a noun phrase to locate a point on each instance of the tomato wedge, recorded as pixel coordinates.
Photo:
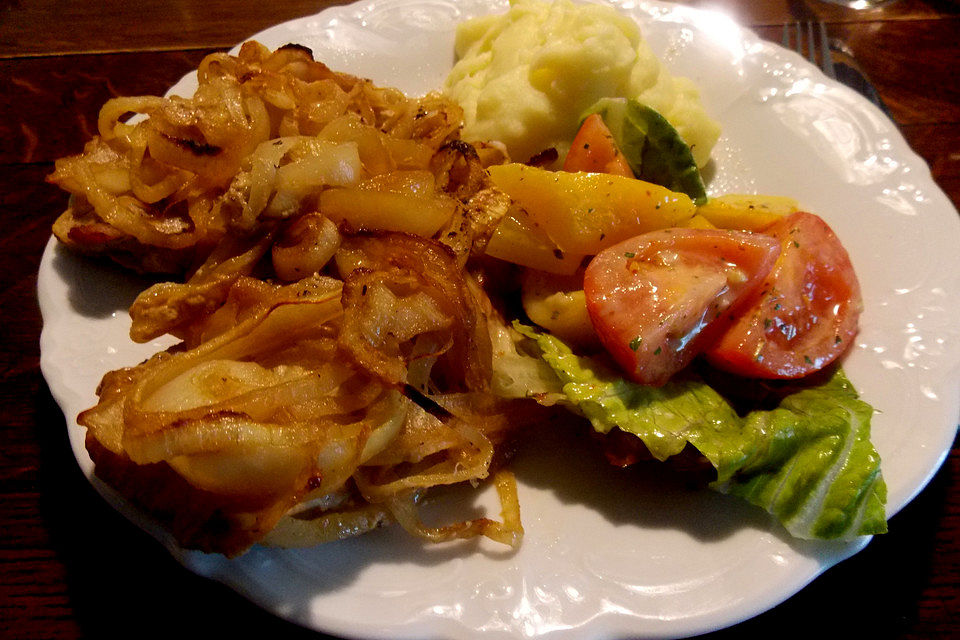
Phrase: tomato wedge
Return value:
(804, 315)
(594, 150)
(659, 299)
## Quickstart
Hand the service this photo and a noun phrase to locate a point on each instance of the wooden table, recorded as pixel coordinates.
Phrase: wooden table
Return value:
(71, 567)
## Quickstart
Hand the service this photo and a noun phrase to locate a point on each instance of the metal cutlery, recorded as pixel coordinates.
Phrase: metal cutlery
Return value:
(811, 41)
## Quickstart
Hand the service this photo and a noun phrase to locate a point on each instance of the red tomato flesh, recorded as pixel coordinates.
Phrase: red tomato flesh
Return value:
(659, 299)
(804, 315)
(594, 150)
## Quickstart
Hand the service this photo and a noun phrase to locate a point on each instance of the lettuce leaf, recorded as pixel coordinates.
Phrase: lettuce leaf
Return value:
(652, 146)
(809, 461)
(518, 369)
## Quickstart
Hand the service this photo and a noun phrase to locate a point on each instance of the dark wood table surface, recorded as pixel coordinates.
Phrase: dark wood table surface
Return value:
(71, 567)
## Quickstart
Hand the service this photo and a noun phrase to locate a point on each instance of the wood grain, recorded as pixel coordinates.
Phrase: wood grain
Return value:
(50, 107)
(54, 27)
(758, 13)
(919, 81)
(937, 145)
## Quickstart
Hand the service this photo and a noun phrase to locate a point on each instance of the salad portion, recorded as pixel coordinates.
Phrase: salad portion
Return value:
(668, 318)
(372, 302)
(724, 340)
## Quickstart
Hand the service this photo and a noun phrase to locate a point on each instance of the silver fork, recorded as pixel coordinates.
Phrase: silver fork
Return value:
(793, 38)
(810, 40)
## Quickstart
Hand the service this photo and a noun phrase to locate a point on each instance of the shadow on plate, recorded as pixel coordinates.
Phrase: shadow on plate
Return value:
(560, 458)
(96, 288)
(554, 460)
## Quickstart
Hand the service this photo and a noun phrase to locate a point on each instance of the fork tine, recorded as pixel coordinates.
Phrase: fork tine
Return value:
(811, 44)
(806, 44)
(826, 63)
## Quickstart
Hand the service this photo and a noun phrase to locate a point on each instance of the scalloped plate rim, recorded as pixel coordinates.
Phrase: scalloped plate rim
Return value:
(229, 572)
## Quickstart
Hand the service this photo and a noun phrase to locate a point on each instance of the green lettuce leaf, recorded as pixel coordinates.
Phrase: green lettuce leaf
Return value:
(518, 369)
(809, 461)
(652, 146)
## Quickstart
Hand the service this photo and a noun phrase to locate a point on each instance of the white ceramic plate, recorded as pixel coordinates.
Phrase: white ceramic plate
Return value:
(606, 553)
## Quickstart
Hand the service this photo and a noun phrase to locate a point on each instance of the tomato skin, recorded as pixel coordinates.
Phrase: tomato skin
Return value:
(594, 150)
(659, 299)
(806, 313)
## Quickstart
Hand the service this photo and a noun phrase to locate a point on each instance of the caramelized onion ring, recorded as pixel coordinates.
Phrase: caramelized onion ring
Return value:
(416, 265)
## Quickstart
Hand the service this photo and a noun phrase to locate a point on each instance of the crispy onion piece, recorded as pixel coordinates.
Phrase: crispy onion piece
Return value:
(392, 277)
(510, 531)
(158, 193)
(385, 311)
(252, 420)
(283, 176)
(250, 297)
(459, 170)
(293, 531)
(101, 179)
(463, 453)
(444, 440)
(173, 307)
(307, 244)
(196, 519)
(456, 421)
(82, 231)
(461, 173)
(264, 321)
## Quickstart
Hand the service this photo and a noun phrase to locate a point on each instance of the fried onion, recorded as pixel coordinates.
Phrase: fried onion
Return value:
(335, 356)
(400, 285)
(263, 134)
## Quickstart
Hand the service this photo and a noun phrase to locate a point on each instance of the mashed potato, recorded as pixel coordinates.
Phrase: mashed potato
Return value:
(525, 77)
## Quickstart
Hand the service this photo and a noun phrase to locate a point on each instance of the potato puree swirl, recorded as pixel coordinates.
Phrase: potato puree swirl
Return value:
(525, 77)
